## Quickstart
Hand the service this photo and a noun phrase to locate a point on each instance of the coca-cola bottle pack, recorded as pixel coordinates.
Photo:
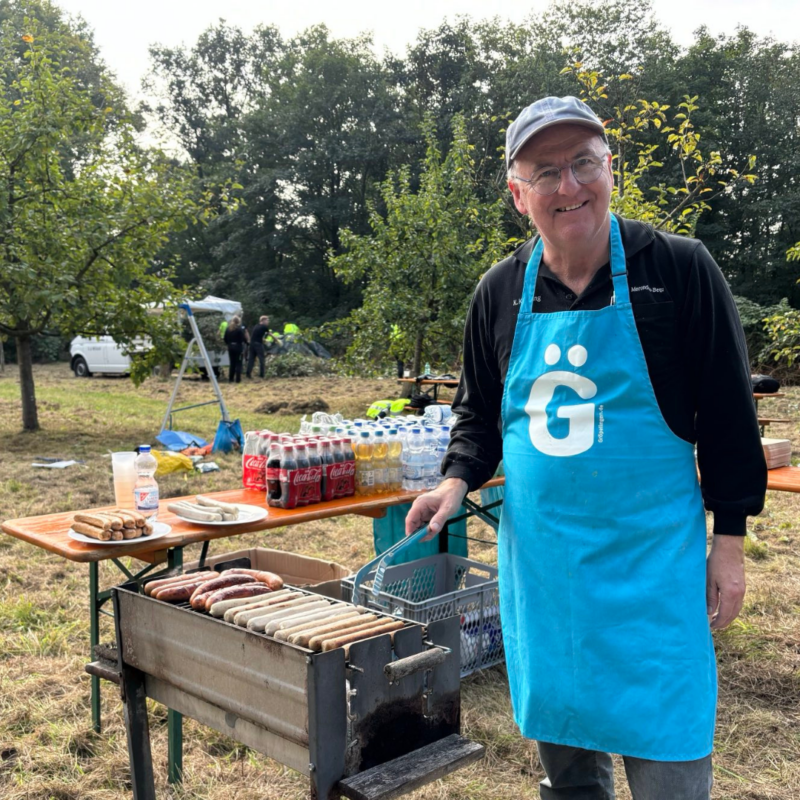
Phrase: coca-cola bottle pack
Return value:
(273, 471)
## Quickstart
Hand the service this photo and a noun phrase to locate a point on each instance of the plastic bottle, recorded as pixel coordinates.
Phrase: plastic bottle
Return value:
(427, 368)
(365, 473)
(429, 471)
(395, 462)
(145, 490)
(442, 443)
(273, 471)
(380, 453)
(413, 465)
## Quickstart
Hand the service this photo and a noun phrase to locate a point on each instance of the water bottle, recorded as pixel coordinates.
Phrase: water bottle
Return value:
(442, 443)
(413, 464)
(427, 369)
(429, 471)
(145, 490)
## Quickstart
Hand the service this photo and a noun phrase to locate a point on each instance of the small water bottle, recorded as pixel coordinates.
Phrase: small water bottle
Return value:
(427, 369)
(414, 462)
(145, 490)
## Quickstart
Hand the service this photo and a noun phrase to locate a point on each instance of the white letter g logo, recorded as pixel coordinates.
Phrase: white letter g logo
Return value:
(581, 417)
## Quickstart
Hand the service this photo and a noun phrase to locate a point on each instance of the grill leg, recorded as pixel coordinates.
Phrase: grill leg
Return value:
(138, 731)
(94, 639)
(175, 719)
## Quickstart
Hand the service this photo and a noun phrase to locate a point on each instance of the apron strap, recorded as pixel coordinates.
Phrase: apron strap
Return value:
(619, 266)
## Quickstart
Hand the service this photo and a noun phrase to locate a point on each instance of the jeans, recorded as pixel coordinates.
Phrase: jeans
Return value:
(577, 774)
(256, 349)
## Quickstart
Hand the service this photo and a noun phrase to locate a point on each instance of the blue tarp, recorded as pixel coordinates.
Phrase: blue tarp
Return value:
(179, 440)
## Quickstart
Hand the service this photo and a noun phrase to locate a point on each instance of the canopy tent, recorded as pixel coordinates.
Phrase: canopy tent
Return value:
(209, 304)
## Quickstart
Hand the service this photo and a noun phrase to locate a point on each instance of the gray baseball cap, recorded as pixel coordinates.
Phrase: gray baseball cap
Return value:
(545, 113)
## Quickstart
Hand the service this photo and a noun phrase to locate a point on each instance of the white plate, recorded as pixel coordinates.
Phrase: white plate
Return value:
(159, 529)
(247, 514)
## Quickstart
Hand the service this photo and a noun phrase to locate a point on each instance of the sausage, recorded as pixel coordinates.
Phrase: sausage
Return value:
(225, 508)
(241, 602)
(382, 626)
(231, 592)
(297, 616)
(194, 512)
(151, 586)
(131, 532)
(116, 536)
(271, 600)
(128, 520)
(178, 593)
(147, 529)
(225, 580)
(97, 520)
(258, 624)
(101, 534)
(306, 618)
(272, 580)
(243, 617)
(313, 641)
(217, 605)
(311, 628)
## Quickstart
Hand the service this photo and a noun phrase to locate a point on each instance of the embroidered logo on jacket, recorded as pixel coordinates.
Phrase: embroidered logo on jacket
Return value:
(580, 435)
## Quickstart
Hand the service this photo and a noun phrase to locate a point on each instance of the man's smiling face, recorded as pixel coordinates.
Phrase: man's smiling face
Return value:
(575, 214)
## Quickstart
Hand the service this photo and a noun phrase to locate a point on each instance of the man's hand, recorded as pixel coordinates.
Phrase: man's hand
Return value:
(725, 586)
(436, 507)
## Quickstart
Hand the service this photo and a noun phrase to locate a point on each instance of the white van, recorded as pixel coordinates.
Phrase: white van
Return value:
(103, 356)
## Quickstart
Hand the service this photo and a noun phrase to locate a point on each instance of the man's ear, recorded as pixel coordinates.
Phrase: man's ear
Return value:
(519, 200)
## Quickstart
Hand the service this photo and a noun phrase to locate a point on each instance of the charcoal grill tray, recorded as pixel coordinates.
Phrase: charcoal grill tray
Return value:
(329, 718)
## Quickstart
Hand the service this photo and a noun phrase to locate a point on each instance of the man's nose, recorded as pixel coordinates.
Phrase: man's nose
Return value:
(568, 184)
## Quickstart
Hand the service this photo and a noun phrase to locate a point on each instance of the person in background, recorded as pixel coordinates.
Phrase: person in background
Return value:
(260, 338)
(596, 357)
(236, 337)
(223, 326)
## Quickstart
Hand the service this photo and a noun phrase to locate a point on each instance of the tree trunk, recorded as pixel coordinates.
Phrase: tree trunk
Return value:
(30, 416)
(2, 357)
(418, 353)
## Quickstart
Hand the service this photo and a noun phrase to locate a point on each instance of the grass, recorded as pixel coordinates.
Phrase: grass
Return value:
(47, 748)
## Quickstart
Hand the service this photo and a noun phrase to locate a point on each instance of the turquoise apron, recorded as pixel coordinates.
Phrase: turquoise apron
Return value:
(602, 557)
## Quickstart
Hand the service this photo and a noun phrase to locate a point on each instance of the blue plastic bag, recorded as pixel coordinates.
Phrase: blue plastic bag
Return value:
(229, 435)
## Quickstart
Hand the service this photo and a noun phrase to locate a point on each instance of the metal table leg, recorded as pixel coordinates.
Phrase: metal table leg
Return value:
(175, 719)
(97, 599)
(94, 638)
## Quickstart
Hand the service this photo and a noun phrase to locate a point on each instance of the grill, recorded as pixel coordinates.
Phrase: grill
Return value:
(373, 722)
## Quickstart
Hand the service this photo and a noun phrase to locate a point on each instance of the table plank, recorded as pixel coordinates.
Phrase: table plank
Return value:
(49, 531)
(784, 479)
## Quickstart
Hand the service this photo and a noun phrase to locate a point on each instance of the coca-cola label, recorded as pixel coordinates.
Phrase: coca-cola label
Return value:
(340, 479)
(254, 472)
(299, 487)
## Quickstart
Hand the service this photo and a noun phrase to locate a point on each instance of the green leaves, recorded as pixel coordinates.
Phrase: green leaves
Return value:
(422, 260)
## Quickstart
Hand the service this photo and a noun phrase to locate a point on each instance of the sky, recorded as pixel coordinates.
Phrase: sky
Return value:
(124, 31)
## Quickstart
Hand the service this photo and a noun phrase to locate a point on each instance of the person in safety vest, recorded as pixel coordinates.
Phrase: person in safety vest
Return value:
(596, 357)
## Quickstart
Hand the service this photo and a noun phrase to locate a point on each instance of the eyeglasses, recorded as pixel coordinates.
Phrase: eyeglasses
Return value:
(546, 181)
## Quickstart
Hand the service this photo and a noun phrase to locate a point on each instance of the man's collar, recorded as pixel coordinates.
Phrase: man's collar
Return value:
(636, 235)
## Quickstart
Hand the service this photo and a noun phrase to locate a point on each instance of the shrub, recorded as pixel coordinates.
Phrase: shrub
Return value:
(295, 365)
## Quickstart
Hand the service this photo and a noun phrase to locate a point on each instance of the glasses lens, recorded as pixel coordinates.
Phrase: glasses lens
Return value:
(547, 181)
(587, 170)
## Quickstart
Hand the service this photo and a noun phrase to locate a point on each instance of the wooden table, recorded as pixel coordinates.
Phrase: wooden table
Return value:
(784, 479)
(434, 384)
(50, 532)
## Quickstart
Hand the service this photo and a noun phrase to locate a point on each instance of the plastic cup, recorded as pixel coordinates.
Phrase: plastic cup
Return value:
(123, 466)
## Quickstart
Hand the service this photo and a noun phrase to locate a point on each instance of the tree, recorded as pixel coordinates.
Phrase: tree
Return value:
(422, 260)
(638, 193)
(83, 210)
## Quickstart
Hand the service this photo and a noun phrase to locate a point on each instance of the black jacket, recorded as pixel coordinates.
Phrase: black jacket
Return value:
(693, 344)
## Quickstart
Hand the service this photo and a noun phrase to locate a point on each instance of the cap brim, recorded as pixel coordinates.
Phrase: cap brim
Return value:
(595, 126)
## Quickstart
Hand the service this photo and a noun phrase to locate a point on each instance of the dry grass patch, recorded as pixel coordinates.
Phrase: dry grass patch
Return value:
(47, 748)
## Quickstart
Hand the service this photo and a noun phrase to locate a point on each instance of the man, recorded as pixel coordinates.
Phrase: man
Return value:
(595, 358)
(257, 337)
